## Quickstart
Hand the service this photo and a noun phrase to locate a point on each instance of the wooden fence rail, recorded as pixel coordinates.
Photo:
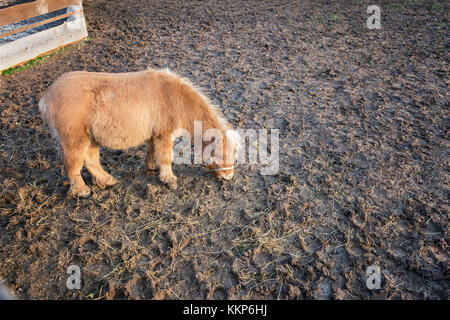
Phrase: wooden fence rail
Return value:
(33, 9)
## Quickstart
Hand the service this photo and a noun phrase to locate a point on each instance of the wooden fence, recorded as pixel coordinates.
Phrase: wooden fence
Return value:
(32, 29)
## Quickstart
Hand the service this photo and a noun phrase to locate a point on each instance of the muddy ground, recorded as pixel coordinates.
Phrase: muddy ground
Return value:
(363, 180)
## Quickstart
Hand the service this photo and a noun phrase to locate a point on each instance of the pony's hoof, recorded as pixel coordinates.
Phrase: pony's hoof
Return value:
(108, 182)
(151, 166)
(171, 182)
(173, 186)
(79, 192)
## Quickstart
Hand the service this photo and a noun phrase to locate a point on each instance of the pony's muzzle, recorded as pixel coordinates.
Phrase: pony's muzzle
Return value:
(228, 176)
(224, 173)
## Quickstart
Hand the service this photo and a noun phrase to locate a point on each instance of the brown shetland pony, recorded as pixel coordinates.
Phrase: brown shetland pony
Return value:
(86, 110)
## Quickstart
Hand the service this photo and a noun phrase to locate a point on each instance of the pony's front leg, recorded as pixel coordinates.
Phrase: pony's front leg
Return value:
(163, 148)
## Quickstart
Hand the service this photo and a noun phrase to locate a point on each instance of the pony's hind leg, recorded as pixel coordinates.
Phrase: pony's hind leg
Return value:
(150, 162)
(164, 155)
(73, 163)
(92, 163)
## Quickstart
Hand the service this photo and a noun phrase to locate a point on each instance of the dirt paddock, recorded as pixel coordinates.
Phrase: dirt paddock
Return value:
(363, 180)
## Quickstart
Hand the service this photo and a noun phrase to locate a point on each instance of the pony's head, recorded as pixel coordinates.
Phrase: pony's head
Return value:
(221, 164)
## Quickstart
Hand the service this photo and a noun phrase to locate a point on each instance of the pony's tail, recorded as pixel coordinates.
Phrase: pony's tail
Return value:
(43, 108)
